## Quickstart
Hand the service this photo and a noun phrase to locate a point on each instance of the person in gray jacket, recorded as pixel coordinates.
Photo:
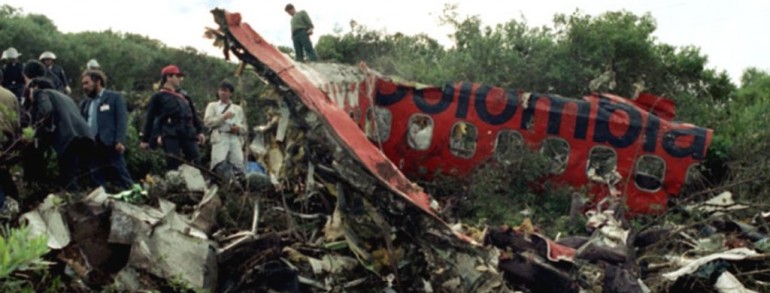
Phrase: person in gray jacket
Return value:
(105, 112)
(58, 124)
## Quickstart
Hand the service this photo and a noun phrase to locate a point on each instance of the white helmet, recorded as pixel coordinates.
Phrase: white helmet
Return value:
(11, 53)
(92, 64)
(47, 55)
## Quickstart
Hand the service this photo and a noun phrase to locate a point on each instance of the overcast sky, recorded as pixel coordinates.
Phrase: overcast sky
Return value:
(732, 33)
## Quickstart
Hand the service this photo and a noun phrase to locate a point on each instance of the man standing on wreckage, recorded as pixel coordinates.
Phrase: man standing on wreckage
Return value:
(178, 126)
(301, 29)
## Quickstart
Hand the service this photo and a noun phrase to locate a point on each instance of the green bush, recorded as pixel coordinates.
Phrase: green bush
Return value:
(504, 193)
(20, 252)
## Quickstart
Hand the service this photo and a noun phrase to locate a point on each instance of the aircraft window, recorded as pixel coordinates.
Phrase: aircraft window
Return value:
(649, 174)
(557, 150)
(508, 146)
(420, 132)
(463, 140)
(694, 179)
(603, 165)
(377, 124)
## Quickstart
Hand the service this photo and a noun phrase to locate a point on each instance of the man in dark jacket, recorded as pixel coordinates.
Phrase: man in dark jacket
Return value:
(55, 72)
(59, 124)
(13, 79)
(34, 153)
(105, 112)
(172, 115)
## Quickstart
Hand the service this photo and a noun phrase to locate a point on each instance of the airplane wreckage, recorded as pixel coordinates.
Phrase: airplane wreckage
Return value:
(336, 210)
(613, 144)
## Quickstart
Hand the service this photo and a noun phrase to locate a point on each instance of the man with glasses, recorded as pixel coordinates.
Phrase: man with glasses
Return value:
(178, 126)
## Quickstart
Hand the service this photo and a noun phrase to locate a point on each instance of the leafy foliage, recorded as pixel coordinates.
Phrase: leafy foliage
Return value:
(504, 193)
(132, 62)
(616, 50)
(744, 134)
(20, 251)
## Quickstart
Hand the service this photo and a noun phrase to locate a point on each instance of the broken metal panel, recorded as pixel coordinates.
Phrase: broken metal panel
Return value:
(128, 221)
(342, 84)
(718, 205)
(128, 280)
(204, 216)
(193, 178)
(692, 265)
(171, 254)
(47, 220)
(90, 232)
(728, 283)
(377, 124)
(283, 122)
(162, 242)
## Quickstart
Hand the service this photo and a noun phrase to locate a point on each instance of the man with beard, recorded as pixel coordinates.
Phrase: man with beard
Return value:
(172, 115)
(105, 112)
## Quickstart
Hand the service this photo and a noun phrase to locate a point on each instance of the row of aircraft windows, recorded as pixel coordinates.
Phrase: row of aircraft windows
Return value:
(649, 172)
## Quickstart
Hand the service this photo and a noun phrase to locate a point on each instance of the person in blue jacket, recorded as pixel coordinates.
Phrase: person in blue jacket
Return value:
(107, 117)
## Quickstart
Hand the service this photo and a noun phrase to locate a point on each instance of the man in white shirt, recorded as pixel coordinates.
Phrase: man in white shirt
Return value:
(228, 126)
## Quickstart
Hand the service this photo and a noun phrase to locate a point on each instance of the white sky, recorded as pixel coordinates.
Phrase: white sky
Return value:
(732, 33)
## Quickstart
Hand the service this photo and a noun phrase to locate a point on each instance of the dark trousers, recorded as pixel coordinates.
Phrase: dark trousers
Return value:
(16, 89)
(75, 163)
(34, 164)
(302, 44)
(109, 166)
(173, 146)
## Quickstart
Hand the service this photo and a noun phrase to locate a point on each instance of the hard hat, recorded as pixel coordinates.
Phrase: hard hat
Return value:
(11, 53)
(47, 55)
(92, 64)
(171, 69)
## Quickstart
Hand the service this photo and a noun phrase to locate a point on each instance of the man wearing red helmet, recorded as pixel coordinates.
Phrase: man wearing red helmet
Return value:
(172, 116)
